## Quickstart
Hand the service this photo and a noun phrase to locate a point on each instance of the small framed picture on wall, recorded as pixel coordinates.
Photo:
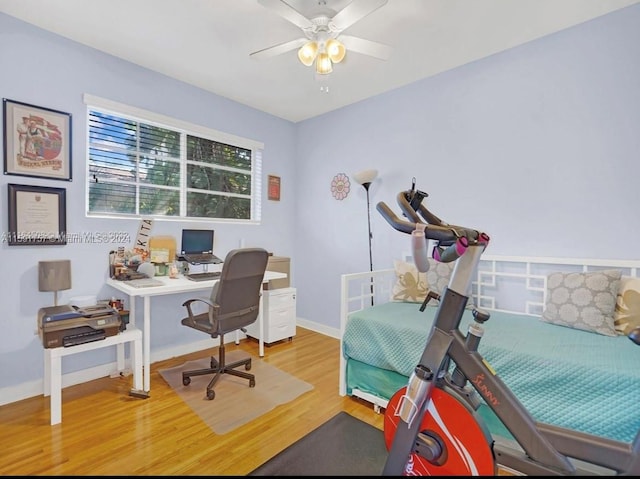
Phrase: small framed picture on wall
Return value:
(37, 141)
(37, 215)
(274, 188)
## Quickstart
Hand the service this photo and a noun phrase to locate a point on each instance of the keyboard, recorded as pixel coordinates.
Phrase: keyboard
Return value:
(204, 276)
(144, 283)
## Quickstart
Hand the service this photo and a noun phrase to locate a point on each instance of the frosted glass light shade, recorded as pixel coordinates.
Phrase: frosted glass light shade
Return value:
(336, 50)
(323, 64)
(307, 53)
(365, 177)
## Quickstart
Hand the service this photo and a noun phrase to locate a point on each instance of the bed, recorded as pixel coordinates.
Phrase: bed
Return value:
(582, 376)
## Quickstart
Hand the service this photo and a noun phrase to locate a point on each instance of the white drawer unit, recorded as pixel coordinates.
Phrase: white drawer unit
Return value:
(279, 316)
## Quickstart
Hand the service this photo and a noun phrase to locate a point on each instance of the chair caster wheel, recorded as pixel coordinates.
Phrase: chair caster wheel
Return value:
(186, 381)
(247, 366)
(252, 383)
(210, 394)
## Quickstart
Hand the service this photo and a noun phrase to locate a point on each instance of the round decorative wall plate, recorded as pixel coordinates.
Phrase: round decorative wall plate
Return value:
(340, 186)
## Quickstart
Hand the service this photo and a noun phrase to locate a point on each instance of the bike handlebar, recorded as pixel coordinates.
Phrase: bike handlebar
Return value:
(443, 234)
(452, 240)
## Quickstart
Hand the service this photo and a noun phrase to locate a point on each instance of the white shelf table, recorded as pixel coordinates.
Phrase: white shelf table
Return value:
(53, 364)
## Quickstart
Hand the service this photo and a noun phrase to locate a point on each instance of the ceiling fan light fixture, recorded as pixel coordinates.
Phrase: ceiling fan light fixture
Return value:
(336, 50)
(307, 53)
(323, 64)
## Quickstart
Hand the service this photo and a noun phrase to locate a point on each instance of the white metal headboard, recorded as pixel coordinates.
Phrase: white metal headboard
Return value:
(518, 284)
(496, 286)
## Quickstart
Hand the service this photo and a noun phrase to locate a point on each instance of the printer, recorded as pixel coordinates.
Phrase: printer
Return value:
(69, 325)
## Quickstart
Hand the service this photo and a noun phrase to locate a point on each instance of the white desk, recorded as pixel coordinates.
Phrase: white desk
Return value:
(172, 286)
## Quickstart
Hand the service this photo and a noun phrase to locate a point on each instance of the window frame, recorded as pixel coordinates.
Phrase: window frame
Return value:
(184, 128)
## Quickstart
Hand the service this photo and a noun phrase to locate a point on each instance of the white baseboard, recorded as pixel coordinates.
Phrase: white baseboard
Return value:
(35, 388)
(318, 328)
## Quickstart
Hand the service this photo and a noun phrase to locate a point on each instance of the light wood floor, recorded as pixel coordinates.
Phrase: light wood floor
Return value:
(104, 431)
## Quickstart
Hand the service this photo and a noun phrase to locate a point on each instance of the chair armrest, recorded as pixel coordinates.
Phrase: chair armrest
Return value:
(213, 309)
(189, 302)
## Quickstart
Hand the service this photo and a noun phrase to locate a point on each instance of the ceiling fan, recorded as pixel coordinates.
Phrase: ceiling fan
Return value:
(323, 40)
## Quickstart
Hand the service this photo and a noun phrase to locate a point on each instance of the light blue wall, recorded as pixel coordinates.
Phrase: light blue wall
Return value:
(47, 70)
(538, 146)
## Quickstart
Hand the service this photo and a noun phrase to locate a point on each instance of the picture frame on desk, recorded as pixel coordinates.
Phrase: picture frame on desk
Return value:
(37, 141)
(37, 215)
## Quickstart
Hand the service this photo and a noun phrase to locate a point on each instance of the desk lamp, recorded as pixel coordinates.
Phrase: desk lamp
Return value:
(54, 276)
(365, 178)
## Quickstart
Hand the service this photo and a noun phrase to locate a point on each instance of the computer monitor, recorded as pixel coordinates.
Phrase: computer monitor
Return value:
(196, 241)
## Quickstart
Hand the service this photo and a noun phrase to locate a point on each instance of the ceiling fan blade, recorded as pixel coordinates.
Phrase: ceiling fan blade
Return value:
(355, 11)
(287, 12)
(366, 47)
(279, 49)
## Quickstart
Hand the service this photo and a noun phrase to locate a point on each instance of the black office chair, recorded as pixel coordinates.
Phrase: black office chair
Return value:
(234, 304)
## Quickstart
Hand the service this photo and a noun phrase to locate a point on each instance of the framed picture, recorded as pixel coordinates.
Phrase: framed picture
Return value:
(37, 141)
(274, 188)
(37, 215)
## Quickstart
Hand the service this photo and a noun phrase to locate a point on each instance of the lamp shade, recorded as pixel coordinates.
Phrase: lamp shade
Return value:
(323, 64)
(336, 50)
(365, 177)
(307, 53)
(54, 275)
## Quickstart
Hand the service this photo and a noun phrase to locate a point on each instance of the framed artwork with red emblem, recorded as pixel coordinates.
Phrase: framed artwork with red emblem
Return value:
(274, 188)
(37, 141)
(37, 215)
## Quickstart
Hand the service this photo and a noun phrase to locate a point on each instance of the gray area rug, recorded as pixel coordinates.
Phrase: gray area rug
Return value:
(342, 446)
(235, 403)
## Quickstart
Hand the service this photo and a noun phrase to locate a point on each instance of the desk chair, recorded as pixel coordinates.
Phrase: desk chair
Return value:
(234, 303)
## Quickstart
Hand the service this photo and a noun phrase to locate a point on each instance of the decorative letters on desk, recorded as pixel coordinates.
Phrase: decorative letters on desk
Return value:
(142, 239)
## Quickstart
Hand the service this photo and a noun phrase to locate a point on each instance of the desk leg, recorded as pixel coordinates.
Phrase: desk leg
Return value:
(136, 365)
(47, 373)
(146, 340)
(120, 369)
(261, 327)
(139, 358)
(132, 310)
(55, 386)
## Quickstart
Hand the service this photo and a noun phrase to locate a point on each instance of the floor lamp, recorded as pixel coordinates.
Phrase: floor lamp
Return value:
(365, 178)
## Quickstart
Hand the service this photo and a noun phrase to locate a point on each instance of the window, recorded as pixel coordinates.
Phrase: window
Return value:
(144, 164)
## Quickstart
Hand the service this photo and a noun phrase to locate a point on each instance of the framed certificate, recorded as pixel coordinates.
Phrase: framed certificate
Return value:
(37, 141)
(37, 215)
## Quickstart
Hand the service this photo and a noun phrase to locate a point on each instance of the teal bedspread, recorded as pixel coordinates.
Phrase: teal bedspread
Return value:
(566, 377)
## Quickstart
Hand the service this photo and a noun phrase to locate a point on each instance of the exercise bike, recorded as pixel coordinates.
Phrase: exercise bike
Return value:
(431, 426)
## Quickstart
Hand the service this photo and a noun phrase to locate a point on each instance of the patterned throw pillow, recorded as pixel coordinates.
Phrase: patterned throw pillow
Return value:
(438, 277)
(582, 300)
(627, 311)
(410, 285)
